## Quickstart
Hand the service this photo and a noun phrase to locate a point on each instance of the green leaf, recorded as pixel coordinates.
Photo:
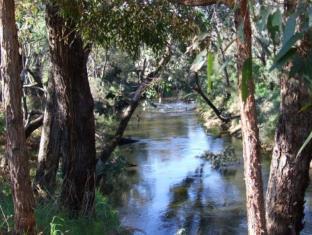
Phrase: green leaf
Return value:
(289, 28)
(273, 24)
(284, 59)
(246, 75)
(210, 70)
(199, 61)
(288, 45)
(277, 18)
(264, 13)
(306, 142)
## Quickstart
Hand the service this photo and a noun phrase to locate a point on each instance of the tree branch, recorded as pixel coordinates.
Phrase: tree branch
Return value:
(229, 3)
(135, 101)
(33, 125)
(197, 88)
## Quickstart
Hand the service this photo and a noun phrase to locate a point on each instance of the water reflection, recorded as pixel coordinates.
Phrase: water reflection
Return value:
(171, 188)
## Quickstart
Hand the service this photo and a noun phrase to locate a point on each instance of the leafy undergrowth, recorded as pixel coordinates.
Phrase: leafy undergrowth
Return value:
(50, 220)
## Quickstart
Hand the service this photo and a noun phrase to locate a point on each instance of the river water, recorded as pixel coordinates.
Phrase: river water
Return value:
(171, 189)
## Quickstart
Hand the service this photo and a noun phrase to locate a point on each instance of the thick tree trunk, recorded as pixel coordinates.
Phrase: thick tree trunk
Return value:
(75, 114)
(78, 190)
(16, 155)
(250, 135)
(289, 174)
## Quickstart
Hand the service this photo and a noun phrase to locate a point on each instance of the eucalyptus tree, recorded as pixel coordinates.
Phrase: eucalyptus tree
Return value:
(250, 132)
(73, 28)
(16, 152)
(289, 175)
(71, 133)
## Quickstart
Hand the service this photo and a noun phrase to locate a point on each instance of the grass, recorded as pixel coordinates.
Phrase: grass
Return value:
(51, 220)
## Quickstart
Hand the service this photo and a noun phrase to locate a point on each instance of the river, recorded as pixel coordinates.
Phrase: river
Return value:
(171, 189)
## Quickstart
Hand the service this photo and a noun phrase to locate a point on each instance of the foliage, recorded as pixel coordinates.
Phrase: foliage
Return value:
(52, 220)
(131, 24)
(30, 17)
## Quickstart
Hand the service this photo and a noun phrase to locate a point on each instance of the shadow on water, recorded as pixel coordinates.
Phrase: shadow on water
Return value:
(171, 189)
(192, 210)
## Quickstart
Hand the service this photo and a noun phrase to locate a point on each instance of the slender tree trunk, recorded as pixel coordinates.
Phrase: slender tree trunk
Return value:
(50, 145)
(16, 153)
(250, 133)
(75, 114)
(289, 174)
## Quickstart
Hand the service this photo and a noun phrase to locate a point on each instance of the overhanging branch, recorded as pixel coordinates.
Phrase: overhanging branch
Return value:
(229, 3)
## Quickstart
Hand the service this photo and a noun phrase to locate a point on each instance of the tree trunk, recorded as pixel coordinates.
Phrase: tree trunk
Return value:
(50, 145)
(78, 190)
(75, 114)
(16, 153)
(289, 173)
(250, 133)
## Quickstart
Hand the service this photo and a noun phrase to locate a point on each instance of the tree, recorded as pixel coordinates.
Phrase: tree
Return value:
(250, 133)
(16, 152)
(69, 52)
(74, 138)
(289, 175)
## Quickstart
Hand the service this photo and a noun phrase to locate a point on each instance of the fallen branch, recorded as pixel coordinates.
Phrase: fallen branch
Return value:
(196, 87)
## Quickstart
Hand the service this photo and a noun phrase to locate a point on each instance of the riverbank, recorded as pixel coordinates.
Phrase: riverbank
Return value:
(267, 118)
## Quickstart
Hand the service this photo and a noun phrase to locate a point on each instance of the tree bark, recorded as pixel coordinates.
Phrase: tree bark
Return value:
(16, 153)
(289, 173)
(50, 150)
(75, 114)
(250, 132)
(78, 190)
